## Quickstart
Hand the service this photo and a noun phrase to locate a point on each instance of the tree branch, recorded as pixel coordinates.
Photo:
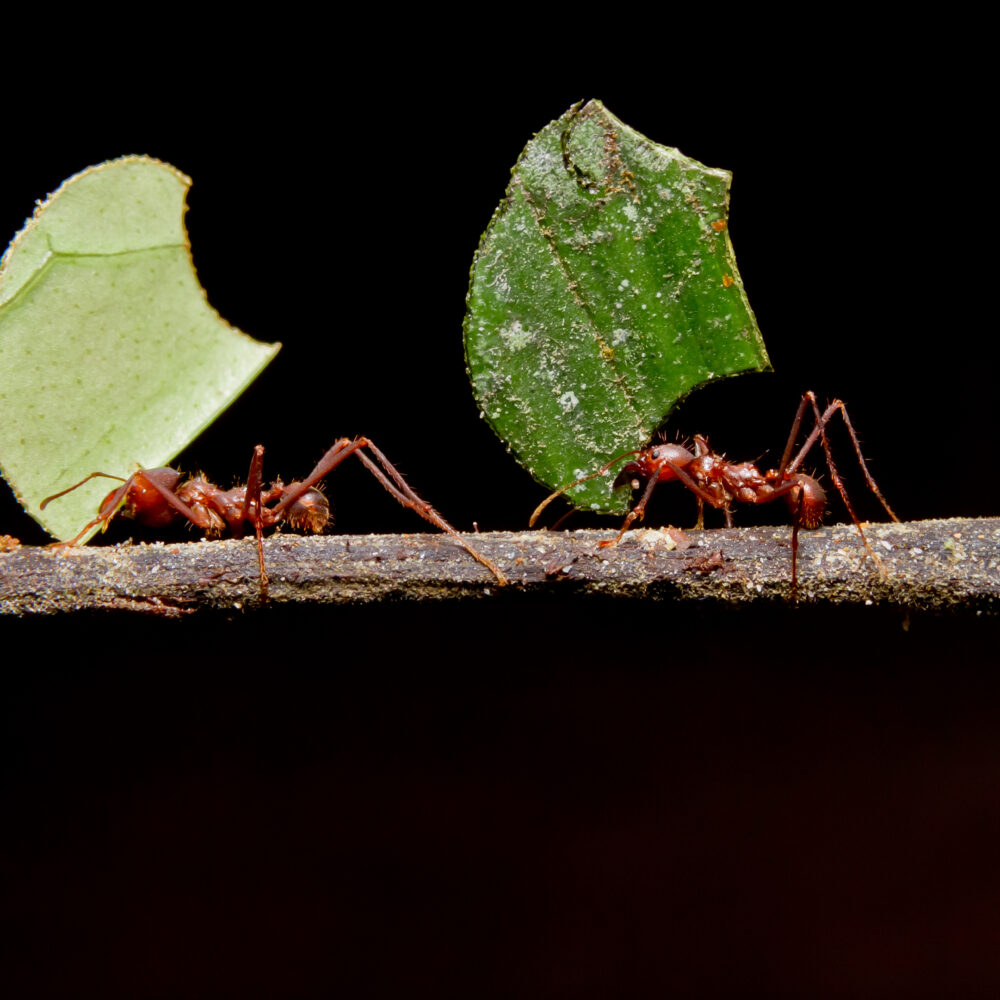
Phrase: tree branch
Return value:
(949, 565)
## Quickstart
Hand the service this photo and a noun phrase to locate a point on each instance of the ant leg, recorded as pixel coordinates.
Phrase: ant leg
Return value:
(560, 521)
(401, 491)
(114, 501)
(819, 430)
(685, 478)
(699, 525)
(405, 495)
(798, 495)
(793, 434)
(796, 519)
(172, 500)
(703, 496)
(338, 451)
(251, 499)
(104, 518)
(638, 511)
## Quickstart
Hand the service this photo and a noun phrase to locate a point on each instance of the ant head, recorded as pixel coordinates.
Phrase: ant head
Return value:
(138, 497)
(653, 461)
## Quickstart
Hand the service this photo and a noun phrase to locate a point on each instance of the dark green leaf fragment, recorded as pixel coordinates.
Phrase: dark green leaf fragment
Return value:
(604, 290)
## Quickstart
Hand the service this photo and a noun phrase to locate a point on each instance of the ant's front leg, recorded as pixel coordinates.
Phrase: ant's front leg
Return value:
(148, 496)
(638, 511)
(109, 506)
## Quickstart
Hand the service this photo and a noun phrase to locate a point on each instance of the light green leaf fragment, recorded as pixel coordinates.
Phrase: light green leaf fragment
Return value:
(604, 290)
(110, 355)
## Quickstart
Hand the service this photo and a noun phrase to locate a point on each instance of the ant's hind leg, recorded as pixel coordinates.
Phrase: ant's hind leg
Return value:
(819, 431)
(405, 495)
(338, 451)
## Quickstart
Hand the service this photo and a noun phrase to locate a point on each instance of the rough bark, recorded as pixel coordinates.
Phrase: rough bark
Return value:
(951, 565)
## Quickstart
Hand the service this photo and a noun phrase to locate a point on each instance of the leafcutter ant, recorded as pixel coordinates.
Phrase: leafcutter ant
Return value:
(719, 483)
(159, 497)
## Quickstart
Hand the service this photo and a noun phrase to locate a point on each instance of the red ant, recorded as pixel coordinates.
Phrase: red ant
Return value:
(719, 483)
(157, 498)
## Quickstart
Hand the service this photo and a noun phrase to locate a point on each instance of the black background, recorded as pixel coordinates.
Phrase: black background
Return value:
(523, 797)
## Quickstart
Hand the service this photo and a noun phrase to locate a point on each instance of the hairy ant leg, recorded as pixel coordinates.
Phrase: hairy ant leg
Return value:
(392, 481)
(251, 500)
(819, 430)
(787, 468)
(638, 511)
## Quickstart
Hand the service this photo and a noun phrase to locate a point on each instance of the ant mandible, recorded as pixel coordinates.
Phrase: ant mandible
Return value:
(158, 497)
(719, 483)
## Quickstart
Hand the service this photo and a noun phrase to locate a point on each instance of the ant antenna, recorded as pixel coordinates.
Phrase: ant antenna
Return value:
(93, 475)
(558, 493)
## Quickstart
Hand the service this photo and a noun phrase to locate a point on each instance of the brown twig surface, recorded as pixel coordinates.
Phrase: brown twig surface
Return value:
(950, 565)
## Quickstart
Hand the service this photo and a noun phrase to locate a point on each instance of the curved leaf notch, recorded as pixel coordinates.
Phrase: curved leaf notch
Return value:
(604, 290)
(110, 355)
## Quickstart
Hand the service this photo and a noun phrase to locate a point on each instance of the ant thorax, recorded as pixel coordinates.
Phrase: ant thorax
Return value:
(209, 505)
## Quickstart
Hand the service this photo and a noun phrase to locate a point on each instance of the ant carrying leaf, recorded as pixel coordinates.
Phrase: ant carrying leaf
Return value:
(720, 483)
(160, 497)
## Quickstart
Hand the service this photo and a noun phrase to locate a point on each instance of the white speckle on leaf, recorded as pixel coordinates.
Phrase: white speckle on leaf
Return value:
(568, 401)
(620, 336)
(515, 337)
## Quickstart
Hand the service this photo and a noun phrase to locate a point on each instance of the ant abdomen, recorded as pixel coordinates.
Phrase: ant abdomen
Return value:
(807, 503)
(308, 512)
